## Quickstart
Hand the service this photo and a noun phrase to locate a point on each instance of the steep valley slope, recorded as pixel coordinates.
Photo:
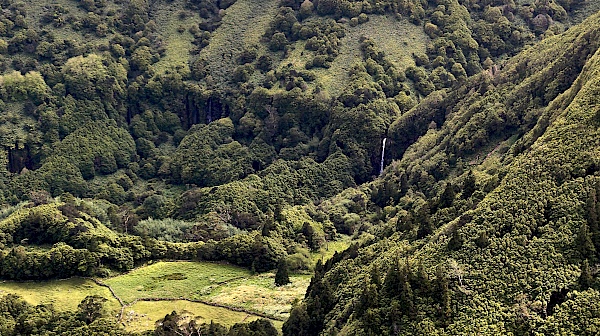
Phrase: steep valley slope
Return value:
(251, 134)
(515, 254)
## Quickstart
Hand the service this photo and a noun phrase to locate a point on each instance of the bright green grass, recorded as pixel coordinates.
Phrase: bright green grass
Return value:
(259, 293)
(173, 280)
(143, 315)
(210, 282)
(399, 39)
(65, 295)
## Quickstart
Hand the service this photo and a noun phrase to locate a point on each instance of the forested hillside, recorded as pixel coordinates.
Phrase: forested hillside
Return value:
(495, 230)
(453, 142)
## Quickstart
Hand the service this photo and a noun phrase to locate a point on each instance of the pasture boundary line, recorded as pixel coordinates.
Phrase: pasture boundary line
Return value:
(208, 303)
(123, 305)
(112, 291)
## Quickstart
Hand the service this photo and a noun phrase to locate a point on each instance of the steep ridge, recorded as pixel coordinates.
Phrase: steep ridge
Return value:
(511, 256)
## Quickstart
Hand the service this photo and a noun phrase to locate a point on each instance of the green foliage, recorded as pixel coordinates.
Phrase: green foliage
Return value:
(80, 244)
(91, 308)
(357, 133)
(16, 87)
(489, 182)
(174, 324)
(89, 77)
(21, 318)
(281, 276)
(98, 147)
(579, 304)
(164, 229)
(62, 176)
(282, 183)
(208, 156)
(585, 279)
(527, 203)
(248, 250)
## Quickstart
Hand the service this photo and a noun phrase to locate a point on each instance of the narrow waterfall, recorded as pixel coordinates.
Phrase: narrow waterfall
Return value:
(382, 156)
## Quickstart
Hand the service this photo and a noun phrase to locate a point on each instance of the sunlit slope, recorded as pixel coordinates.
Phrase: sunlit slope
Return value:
(509, 258)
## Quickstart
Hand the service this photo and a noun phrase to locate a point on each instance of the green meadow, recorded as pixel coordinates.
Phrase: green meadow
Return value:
(173, 280)
(144, 314)
(65, 295)
(218, 285)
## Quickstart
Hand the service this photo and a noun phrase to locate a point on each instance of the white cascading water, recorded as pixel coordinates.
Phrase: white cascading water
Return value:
(382, 156)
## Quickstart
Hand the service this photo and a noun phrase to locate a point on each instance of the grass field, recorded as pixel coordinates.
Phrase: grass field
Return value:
(36, 9)
(178, 45)
(213, 283)
(143, 315)
(399, 39)
(259, 293)
(328, 250)
(65, 295)
(190, 280)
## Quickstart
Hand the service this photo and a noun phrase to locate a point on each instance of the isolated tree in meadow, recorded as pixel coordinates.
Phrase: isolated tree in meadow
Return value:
(282, 277)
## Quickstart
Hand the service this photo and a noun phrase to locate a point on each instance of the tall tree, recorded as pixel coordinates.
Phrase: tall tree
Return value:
(584, 242)
(375, 277)
(392, 280)
(91, 308)
(592, 217)
(469, 185)
(443, 292)
(423, 217)
(298, 323)
(423, 282)
(585, 279)
(282, 277)
(309, 232)
(447, 197)
(456, 241)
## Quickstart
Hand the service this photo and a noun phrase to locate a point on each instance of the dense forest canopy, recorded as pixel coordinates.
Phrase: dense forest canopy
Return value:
(255, 132)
